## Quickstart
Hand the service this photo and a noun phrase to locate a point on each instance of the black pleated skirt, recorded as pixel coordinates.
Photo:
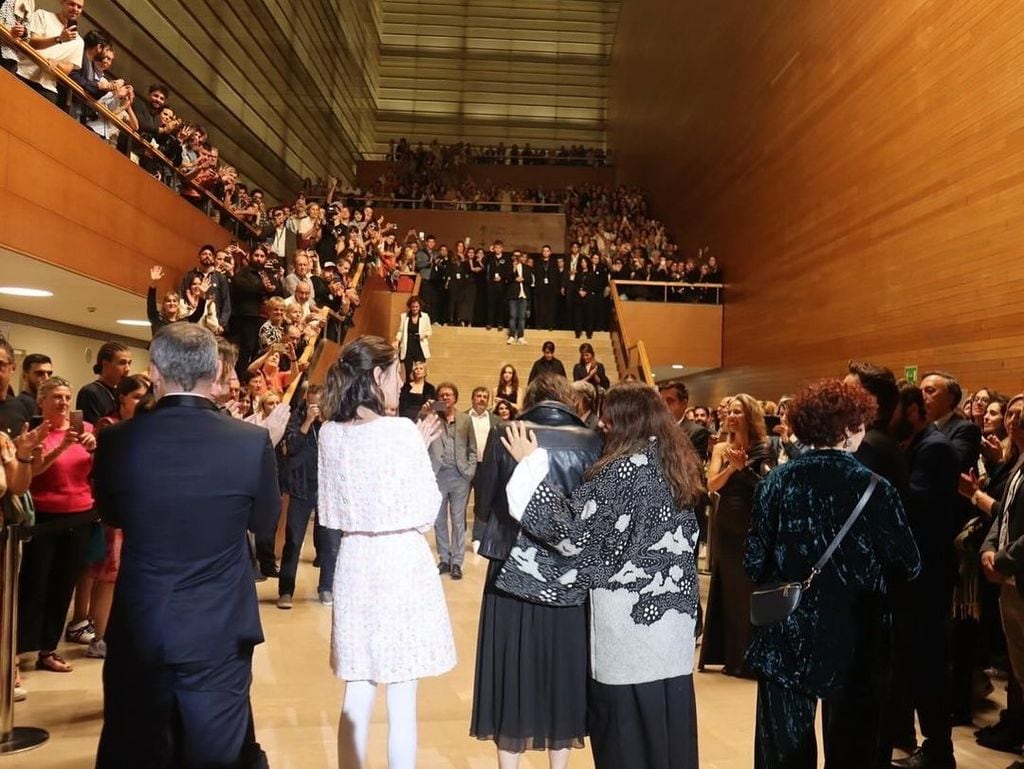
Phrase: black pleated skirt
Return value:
(530, 688)
(644, 726)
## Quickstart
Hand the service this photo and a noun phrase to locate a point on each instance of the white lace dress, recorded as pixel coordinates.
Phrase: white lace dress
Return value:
(390, 620)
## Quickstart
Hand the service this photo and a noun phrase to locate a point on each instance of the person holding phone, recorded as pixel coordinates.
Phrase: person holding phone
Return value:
(61, 487)
(17, 23)
(55, 37)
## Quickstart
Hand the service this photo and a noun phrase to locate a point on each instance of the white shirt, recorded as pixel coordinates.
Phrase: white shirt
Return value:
(46, 24)
(522, 286)
(481, 428)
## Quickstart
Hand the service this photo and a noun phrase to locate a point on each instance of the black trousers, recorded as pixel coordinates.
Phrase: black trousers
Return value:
(191, 716)
(50, 565)
(496, 304)
(299, 511)
(585, 315)
(9, 64)
(245, 332)
(784, 736)
(921, 675)
(545, 309)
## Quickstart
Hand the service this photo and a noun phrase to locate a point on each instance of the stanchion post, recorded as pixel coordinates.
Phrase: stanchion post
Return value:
(13, 739)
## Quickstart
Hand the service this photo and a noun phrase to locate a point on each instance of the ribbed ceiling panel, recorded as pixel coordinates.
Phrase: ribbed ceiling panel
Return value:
(488, 70)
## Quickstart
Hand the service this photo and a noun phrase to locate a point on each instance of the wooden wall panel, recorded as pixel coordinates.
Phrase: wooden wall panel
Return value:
(526, 232)
(69, 199)
(287, 91)
(858, 168)
(674, 334)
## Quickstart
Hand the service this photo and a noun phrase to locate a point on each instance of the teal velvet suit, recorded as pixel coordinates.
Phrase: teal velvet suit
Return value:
(829, 646)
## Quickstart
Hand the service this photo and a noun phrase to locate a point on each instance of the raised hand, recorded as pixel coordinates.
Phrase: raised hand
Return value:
(519, 441)
(156, 273)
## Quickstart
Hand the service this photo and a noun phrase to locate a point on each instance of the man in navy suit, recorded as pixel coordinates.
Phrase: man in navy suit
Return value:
(922, 608)
(184, 482)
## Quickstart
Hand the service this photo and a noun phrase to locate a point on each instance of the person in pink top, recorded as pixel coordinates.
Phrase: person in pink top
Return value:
(52, 560)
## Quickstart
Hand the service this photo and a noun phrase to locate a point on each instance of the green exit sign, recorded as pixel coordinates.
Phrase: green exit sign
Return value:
(910, 374)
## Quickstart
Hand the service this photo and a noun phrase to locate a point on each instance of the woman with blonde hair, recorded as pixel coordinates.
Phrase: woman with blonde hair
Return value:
(737, 464)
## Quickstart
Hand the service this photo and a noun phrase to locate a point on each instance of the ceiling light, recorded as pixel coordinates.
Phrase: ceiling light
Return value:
(129, 322)
(678, 366)
(35, 293)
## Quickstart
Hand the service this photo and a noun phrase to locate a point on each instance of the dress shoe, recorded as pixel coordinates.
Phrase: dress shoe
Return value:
(1003, 740)
(921, 760)
(270, 572)
(456, 571)
(285, 601)
(443, 568)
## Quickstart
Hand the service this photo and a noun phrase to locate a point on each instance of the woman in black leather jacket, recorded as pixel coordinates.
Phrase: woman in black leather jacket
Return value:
(529, 691)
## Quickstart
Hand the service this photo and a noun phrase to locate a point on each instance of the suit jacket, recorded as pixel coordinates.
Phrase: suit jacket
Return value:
(579, 371)
(1009, 560)
(291, 240)
(511, 286)
(572, 448)
(465, 447)
(185, 482)
(966, 439)
(402, 337)
(220, 285)
(932, 499)
(798, 509)
(699, 437)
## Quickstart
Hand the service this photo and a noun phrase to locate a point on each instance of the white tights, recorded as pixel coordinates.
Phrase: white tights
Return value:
(354, 726)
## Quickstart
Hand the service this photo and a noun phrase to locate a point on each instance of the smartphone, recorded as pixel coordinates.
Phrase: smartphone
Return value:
(440, 408)
(35, 421)
(77, 421)
(771, 422)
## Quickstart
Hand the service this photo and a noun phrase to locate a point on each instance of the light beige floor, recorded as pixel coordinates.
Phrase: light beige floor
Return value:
(297, 700)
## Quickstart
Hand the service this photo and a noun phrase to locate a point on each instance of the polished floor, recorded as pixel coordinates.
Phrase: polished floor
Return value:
(297, 700)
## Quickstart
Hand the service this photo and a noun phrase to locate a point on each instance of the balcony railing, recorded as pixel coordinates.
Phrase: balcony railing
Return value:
(138, 145)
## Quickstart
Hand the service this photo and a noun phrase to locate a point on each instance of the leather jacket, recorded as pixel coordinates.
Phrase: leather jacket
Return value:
(572, 448)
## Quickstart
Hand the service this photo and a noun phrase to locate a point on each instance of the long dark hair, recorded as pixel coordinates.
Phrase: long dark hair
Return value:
(350, 381)
(514, 384)
(635, 414)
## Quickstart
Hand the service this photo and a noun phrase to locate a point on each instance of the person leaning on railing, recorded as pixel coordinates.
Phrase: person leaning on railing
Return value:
(55, 37)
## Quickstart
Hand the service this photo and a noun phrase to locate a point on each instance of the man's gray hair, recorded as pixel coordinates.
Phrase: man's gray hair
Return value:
(185, 353)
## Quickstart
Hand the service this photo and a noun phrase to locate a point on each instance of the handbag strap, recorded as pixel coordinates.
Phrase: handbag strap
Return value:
(861, 503)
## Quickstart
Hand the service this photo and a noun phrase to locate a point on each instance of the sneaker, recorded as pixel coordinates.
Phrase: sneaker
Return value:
(510, 340)
(522, 340)
(80, 633)
(285, 601)
(326, 598)
(443, 568)
(456, 571)
(97, 649)
(20, 693)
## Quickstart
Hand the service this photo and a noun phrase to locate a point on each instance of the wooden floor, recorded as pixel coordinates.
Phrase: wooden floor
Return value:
(297, 700)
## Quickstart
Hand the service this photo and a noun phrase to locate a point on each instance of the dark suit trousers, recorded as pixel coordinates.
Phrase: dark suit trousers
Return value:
(245, 332)
(325, 540)
(495, 304)
(921, 680)
(192, 716)
(50, 565)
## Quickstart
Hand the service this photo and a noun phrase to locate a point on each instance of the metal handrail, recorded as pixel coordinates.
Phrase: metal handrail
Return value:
(149, 149)
(443, 203)
(717, 287)
(577, 161)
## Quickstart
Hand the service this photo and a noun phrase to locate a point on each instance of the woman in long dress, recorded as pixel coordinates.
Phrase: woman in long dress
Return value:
(625, 540)
(737, 465)
(390, 622)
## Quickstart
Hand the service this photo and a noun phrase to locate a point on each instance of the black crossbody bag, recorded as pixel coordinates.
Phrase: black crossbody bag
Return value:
(775, 601)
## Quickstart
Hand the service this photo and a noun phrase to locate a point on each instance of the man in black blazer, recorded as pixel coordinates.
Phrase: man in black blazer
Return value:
(922, 607)
(677, 398)
(184, 483)
(547, 290)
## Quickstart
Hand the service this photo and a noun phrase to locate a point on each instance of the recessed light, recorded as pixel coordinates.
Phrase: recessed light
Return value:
(678, 366)
(35, 293)
(129, 322)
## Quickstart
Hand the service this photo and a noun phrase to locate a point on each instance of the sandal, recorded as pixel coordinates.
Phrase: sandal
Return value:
(53, 662)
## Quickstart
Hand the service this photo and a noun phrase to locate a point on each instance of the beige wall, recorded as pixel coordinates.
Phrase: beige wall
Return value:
(73, 356)
(674, 334)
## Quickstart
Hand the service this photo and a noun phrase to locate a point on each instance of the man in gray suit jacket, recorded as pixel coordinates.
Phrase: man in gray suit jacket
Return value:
(453, 457)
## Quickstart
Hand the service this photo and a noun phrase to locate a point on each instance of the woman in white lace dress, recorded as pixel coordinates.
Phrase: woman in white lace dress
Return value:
(390, 623)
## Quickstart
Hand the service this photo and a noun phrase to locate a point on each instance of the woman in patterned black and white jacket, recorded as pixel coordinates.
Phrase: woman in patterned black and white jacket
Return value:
(626, 540)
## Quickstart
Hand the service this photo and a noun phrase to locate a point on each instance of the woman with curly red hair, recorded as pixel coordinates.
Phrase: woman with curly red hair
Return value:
(831, 647)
